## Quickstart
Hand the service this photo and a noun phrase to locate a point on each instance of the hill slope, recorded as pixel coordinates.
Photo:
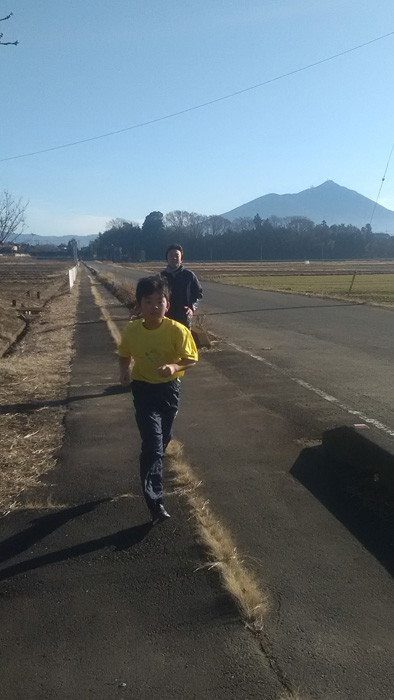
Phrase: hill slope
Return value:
(329, 201)
(36, 239)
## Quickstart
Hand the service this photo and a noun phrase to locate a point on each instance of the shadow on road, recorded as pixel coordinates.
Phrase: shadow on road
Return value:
(280, 308)
(41, 527)
(330, 484)
(124, 539)
(36, 405)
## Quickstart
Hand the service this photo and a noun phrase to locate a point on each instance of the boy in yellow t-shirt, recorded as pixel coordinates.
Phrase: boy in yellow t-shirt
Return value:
(162, 349)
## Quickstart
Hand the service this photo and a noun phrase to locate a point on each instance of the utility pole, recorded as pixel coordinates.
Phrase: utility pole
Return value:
(75, 250)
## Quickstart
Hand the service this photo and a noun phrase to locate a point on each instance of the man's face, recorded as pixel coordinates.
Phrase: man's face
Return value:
(174, 259)
(153, 308)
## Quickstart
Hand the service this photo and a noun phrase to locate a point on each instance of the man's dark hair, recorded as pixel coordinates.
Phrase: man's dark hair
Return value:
(174, 246)
(149, 285)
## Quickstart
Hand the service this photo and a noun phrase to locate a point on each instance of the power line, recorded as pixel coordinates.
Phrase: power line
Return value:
(201, 105)
(381, 184)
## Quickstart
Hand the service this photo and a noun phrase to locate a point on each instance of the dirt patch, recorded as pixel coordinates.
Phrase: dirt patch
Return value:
(26, 285)
(33, 389)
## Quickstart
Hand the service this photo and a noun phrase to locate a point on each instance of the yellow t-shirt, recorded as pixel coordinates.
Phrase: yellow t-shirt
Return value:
(150, 349)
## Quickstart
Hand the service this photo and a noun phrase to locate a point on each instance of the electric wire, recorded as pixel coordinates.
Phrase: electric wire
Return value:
(381, 185)
(203, 104)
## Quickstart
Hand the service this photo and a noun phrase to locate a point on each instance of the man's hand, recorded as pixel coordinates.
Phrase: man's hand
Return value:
(168, 370)
(189, 312)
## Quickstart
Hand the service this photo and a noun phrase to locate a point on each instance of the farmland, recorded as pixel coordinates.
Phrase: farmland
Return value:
(34, 376)
(25, 287)
(373, 282)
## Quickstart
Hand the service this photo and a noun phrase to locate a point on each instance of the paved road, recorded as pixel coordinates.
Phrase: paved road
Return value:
(94, 603)
(338, 349)
(324, 557)
(90, 598)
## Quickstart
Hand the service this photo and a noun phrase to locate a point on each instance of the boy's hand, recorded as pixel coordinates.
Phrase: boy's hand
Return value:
(124, 378)
(189, 312)
(167, 370)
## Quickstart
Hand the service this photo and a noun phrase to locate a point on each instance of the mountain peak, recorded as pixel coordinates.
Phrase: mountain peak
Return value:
(329, 201)
(328, 184)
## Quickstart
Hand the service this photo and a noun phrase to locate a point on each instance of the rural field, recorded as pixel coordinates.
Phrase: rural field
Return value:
(34, 376)
(373, 282)
(28, 284)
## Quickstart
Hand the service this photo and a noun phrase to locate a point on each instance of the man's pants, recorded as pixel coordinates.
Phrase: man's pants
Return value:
(156, 406)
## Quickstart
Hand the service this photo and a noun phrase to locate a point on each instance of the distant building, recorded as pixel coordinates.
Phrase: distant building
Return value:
(8, 249)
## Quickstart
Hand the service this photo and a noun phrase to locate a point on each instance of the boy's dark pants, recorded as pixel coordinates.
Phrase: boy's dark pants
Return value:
(156, 406)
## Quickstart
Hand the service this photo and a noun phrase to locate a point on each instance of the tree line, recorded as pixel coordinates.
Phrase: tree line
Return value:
(217, 238)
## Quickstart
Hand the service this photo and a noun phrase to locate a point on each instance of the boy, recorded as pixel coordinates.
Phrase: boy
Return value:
(162, 349)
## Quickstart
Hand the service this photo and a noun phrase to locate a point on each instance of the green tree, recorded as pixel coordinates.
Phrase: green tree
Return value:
(153, 225)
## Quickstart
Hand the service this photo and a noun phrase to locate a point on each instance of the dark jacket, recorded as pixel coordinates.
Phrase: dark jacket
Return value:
(185, 290)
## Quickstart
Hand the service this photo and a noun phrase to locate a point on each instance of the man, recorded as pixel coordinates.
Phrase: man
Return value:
(185, 289)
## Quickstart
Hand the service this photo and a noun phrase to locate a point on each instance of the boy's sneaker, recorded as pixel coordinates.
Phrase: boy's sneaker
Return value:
(159, 515)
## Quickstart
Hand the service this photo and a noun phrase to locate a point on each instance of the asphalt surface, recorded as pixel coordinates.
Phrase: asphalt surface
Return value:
(321, 551)
(338, 348)
(94, 602)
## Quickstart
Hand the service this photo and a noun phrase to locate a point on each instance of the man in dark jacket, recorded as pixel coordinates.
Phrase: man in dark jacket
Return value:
(185, 289)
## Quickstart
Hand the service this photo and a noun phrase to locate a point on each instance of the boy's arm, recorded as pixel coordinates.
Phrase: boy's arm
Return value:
(171, 369)
(124, 374)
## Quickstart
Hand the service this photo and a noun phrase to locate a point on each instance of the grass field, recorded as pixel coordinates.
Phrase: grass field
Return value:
(373, 283)
(370, 288)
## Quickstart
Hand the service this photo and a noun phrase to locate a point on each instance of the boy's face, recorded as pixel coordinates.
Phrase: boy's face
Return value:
(153, 308)
(174, 259)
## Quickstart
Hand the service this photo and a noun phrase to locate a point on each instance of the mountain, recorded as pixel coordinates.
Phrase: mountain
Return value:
(329, 202)
(35, 239)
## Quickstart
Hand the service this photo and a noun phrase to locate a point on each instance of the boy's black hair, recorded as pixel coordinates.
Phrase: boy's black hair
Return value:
(174, 246)
(149, 285)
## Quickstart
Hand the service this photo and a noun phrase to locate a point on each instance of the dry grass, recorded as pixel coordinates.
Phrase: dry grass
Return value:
(29, 283)
(123, 290)
(200, 321)
(43, 504)
(236, 577)
(365, 288)
(222, 553)
(33, 383)
(105, 314)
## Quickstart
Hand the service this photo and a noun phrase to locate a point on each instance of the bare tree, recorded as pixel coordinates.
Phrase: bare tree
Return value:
(117, 223)
(12, 216)
(217, 224)
(185, 222)
(243, 223)
(7, 43)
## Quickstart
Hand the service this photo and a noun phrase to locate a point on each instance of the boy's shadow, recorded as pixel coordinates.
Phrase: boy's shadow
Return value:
(41, 527)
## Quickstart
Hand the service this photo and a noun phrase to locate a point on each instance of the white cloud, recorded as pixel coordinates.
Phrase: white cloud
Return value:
(47, 223)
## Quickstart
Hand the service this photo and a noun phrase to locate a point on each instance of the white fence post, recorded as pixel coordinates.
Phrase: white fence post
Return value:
(72, 275)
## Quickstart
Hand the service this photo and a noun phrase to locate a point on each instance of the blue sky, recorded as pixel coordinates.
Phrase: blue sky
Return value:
(87, 67)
